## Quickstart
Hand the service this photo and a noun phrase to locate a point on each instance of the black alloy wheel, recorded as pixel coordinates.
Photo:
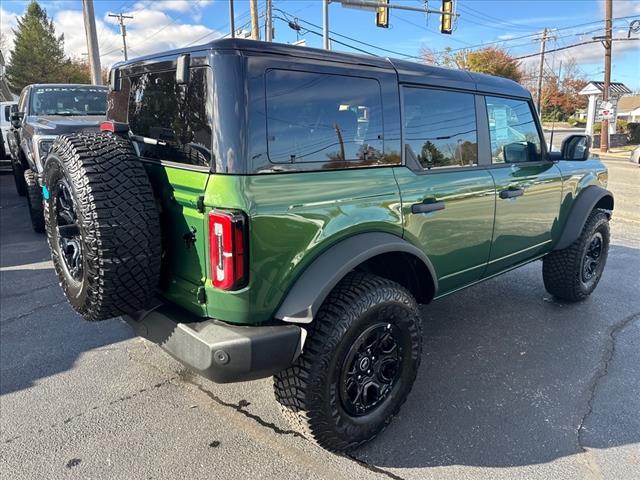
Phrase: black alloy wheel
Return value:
(592, 256)
(69, 240)
(371, 369)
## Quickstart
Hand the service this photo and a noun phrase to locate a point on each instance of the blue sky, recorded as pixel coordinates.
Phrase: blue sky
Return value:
(159, 25)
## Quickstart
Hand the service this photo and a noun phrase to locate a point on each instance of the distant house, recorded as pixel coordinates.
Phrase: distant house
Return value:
(629, 108)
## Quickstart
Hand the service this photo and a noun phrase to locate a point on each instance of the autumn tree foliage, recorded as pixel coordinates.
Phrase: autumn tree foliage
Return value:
(490, 60)
(560, 96)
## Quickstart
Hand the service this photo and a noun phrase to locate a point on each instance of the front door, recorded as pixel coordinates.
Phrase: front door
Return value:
(448, 201)
(528, 186)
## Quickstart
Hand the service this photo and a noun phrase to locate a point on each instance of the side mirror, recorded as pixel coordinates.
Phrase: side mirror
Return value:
(576, 147)
(16, 119)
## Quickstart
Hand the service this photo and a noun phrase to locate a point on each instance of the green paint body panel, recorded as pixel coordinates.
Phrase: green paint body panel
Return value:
(184, 265)
(293, 218)
(457, 239)
(524, 225)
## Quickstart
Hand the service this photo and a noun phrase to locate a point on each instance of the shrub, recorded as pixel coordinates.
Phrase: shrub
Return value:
(633, 132)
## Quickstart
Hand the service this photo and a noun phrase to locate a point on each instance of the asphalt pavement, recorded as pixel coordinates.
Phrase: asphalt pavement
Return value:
(513, 384)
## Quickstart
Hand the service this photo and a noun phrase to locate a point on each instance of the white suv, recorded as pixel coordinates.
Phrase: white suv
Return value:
(5, 152)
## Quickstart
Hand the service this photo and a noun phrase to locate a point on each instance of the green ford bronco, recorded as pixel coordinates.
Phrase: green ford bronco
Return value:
(261, 209)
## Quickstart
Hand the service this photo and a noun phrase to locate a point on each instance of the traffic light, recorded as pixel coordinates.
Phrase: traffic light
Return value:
(382, 15)
(446, 18)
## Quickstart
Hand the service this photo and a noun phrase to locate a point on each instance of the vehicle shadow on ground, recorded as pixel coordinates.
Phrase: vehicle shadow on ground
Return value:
(508, 374)
(40, 334)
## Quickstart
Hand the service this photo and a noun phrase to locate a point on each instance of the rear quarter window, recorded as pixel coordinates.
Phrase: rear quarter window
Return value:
(176, 120)
(318, 117)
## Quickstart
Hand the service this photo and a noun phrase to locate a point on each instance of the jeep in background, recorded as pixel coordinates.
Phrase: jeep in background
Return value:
(261, 209)
(6, 108)
(44, 112)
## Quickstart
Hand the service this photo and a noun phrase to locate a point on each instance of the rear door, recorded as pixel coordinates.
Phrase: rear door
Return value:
(448, 198)
(529, 187)
(173, 125)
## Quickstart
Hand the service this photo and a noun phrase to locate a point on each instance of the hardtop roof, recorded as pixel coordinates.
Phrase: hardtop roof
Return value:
(408, 72)
(66, 85)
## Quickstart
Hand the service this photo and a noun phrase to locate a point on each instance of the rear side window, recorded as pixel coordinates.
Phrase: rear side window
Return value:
(313, 117)
(513, 131)
(440, 127)
(175, 120)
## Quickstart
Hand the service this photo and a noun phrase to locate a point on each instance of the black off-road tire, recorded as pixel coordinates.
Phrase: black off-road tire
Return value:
(309, 391)
(34, 201)
(117, 227)
(562, 270)
(18, 177)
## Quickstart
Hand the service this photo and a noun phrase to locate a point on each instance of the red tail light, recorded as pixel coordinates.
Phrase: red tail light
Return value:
(228, 252)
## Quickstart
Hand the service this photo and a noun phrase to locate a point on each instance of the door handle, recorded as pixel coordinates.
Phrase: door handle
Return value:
(427, 207)
(511, 193)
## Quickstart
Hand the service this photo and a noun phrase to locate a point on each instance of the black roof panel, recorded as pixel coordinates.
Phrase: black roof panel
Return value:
(408, 72)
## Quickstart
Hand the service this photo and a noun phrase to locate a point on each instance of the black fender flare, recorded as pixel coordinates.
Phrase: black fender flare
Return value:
(582, 207)
(309, 291)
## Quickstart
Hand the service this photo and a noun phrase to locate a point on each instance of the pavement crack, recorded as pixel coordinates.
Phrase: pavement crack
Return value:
(240, 407)
(9, 320)
(372, 468)
(30, 292)
(72, 418)
(601, 372)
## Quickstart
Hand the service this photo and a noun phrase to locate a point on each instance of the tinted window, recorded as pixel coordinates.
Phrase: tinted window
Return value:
(440, 127)
(7, 112)
(178, 117)
(50, 100)
(314, 117)
(514, 136)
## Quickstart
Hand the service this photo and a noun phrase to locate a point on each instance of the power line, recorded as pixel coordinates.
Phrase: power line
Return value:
(572, 46)
(347, 37)
(534, 34)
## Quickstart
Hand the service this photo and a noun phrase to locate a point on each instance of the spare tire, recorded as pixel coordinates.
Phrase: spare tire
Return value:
(102, 225)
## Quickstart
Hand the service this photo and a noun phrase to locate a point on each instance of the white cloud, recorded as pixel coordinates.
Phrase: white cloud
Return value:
(8, 21)
(182, 6)
(150, 31)
(623, 8)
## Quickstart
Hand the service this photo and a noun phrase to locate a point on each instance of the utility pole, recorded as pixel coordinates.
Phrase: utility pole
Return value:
(255, 27)
(543, 43)
(325, 25)
(604, 131)
(123, 30)
(92, 41)
(232, 20)
(268, 23)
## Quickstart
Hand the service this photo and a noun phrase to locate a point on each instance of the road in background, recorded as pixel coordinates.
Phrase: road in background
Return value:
(513, 384)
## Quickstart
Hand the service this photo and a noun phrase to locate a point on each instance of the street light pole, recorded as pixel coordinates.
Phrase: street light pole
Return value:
(268, 27)
(123, 31)
(543, 43)
(604, 131)
(255, 27)
(232, 20)
(325, 25)
(92, 41)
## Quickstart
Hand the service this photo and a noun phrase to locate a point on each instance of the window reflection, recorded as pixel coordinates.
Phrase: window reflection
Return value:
(440, 127)
(514, 136)
(314, 117)
(176, 115)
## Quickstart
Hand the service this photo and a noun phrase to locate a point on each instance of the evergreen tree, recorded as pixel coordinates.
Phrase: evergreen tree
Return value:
(38, 54)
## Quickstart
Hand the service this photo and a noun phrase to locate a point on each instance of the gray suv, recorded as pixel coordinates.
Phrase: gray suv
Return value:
(44, 112)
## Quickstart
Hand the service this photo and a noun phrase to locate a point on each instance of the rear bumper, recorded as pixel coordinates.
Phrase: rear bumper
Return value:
(219, 351)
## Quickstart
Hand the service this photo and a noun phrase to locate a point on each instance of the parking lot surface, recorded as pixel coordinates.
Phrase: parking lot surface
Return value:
(512, 385)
